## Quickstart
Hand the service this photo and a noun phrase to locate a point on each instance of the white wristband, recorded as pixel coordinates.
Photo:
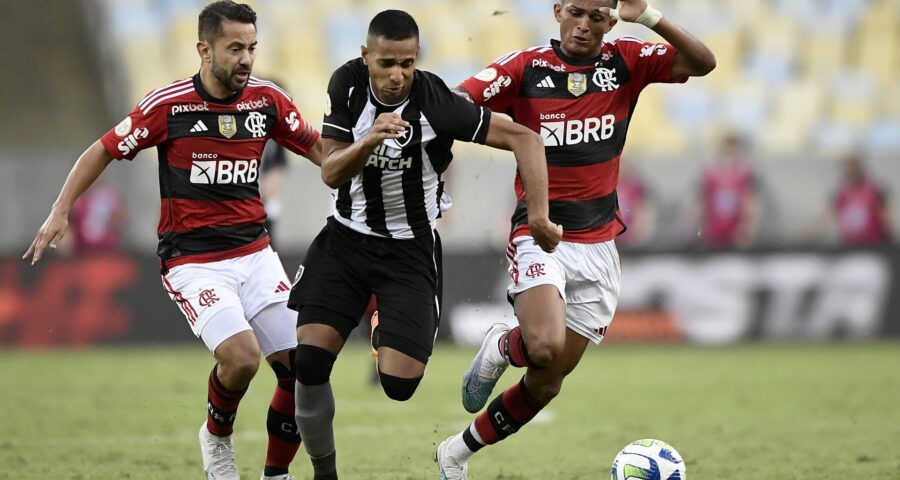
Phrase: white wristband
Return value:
(648, 18)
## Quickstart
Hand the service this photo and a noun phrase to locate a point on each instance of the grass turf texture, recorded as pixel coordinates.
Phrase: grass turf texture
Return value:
(750, 412)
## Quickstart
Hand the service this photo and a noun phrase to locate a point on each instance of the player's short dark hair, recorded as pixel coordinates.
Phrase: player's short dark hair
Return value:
(209, 26)
(394, 25)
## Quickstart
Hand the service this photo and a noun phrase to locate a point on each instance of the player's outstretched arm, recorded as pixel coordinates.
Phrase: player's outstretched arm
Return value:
(694, 59)
(89, 166)
(341, 160)
(528, 148)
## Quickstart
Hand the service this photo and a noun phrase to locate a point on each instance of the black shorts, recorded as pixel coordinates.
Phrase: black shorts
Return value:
(343, 268)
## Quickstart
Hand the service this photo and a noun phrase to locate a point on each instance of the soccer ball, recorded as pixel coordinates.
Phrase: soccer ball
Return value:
(648, 460)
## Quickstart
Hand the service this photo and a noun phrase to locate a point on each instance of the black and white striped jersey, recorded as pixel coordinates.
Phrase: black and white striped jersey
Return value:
(397, 193)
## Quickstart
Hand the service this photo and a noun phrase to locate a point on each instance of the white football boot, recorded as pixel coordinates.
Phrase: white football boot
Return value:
(218, 456)
(448, 467)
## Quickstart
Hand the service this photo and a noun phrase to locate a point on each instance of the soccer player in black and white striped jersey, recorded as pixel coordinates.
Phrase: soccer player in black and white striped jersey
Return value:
(387, 135)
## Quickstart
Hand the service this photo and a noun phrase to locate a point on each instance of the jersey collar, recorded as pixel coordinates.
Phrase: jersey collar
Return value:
(198, 86)
(578, 62)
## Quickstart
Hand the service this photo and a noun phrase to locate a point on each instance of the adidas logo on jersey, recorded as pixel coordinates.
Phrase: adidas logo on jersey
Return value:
(199, 127)
(546, 83)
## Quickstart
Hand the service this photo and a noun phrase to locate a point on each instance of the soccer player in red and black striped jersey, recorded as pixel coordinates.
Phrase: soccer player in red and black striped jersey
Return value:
(579, 93)
(217, 266)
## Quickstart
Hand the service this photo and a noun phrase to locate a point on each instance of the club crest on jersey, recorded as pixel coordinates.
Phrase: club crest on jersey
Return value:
(605, 78)
(256, 124)
(577, 83)
(227, 125)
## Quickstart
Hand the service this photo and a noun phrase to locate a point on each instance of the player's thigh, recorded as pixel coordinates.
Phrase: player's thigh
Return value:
(264, 282)
(538, 283)
(408, 310)
(593, 293)
(201, 294)
(327, 294)
(275, 328)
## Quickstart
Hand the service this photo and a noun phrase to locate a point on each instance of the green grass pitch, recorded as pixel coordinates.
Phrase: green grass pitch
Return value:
(750, 412)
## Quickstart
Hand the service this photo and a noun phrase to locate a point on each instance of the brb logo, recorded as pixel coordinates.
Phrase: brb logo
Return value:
(574, 132)
(215, 171)
(131, 142)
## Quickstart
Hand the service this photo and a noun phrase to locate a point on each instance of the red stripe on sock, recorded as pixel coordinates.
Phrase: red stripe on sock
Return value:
(520, 404)
(485, 429)
(515, 351)
(279, 452)
(223, 400)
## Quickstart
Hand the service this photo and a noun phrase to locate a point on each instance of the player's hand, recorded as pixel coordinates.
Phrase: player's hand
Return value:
(387, 125)
(50, 233)
(546, 234)
(627, 10)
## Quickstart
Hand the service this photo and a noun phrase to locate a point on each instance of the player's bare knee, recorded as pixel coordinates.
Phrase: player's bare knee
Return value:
(543, 353)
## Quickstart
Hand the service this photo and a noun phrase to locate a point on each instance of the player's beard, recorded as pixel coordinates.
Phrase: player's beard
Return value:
(227, 79)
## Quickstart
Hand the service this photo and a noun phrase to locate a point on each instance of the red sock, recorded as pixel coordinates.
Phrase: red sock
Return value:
(284, 437)
(222, 405)
(505, 415)
(512, 345)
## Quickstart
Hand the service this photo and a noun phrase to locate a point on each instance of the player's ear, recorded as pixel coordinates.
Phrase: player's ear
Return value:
(557, 11)
(364, 52)
(203, 50)
(610, 23)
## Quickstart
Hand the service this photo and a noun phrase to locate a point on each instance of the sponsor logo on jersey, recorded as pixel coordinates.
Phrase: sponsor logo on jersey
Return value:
(380, 159)
(222, 172)
(227, 125)
(292, 121)
(252, 104)
(199, 127)
(256, 124)
(547, 82)
(576, 84)
(494, 88)
(648, 50)
(132, 141)
(605, 78)
(487, 75)
(541, 63)
(123, 127)
(574, 132)
(189, 107)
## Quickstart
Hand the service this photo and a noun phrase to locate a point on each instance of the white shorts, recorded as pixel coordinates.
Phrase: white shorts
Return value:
(247, 284)
(587, 276)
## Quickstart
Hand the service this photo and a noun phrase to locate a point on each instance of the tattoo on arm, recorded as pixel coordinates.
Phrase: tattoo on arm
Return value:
(462, 92)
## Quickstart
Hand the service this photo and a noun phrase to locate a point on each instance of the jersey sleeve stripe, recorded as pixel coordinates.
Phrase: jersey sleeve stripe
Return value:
(259, 82)
(162, 91)
(156, 102)
(631, 38)
(480, 122)
(335, 126)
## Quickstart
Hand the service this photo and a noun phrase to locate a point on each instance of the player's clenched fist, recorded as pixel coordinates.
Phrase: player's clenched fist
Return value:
(387, 125)
(546, 234)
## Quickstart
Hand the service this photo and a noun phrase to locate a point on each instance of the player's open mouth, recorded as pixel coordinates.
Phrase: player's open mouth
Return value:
(243, 77)
(580, 40)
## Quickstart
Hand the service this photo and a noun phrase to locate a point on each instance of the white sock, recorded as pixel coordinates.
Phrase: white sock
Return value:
(458, 449)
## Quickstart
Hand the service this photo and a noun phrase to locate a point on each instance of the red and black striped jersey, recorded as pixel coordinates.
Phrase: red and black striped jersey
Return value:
(581, 108)
(209, 159)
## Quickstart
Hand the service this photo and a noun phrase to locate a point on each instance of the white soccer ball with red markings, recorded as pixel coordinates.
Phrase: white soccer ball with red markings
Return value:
(648, 459)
